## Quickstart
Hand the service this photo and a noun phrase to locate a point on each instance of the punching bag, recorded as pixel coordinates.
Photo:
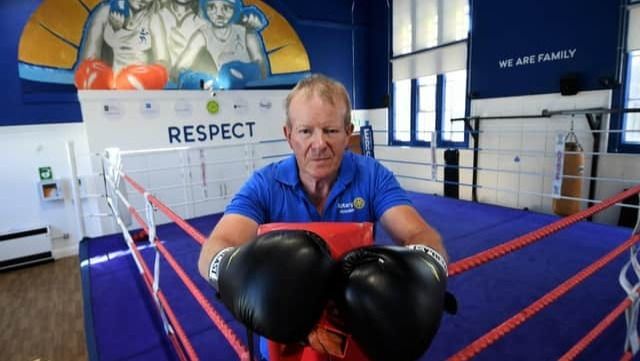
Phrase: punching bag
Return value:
(451, 173)
(571, 187)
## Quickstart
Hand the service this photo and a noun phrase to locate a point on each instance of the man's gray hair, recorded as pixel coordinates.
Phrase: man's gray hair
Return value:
(329, 90)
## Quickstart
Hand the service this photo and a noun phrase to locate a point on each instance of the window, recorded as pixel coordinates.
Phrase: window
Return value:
(631, 121)
(429, 72)
(455, 106)
(427, 105)
(423, 24)
(402, 111)
(625, 127)
(426, 117)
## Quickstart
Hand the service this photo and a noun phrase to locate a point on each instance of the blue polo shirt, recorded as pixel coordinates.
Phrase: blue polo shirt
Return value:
(363, 191)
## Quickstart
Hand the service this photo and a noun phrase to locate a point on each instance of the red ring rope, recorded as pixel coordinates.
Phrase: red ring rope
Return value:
(148, 278)
(516, 320)
(596, 331)
(167, 211)
(483, 257)
(488, 255)
(226, 331)
(627, 356)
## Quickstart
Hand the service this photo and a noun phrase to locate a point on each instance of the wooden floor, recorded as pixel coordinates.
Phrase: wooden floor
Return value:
(41, 313)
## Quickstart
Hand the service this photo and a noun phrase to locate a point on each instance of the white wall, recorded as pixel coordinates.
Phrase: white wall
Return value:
(24, 149)
(516, 158)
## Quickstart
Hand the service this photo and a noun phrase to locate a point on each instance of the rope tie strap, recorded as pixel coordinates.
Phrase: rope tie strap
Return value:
(226, 331)
(177, 336)
(596, 331)
(631, 313)
(626, 306)
(167, 211)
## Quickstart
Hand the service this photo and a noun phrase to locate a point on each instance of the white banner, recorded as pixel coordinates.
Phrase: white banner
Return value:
(132, 120)
(558, 168)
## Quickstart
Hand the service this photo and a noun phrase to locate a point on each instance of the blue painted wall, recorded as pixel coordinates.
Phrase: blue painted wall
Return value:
(326, 29)
(525, 47)
(27, 102)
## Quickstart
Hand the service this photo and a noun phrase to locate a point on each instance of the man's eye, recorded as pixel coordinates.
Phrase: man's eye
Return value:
(304, 131)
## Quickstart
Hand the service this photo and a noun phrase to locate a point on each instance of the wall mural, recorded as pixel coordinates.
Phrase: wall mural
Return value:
(160, 44)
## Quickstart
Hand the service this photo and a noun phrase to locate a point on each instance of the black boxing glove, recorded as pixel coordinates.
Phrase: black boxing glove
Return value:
(276, 285)
(392, 299)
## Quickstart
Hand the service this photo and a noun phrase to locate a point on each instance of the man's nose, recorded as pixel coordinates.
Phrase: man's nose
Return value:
(318, 139)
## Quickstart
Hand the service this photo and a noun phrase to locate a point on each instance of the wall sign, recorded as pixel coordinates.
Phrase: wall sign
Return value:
(525, 47)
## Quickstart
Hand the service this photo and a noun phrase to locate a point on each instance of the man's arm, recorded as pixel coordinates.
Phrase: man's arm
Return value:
(405, 226)
(232, 230)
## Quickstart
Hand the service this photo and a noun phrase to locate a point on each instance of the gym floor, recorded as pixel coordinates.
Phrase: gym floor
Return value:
(41, 314)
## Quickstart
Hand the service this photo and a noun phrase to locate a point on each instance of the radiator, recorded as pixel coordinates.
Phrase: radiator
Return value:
(29, 246)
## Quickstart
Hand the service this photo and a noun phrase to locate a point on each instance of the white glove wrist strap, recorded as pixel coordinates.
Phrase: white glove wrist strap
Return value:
(431, 253)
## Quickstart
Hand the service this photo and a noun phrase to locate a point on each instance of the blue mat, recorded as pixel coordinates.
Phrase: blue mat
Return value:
(122, 322)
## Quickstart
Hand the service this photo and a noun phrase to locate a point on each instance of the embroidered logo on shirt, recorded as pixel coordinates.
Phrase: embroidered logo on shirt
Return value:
(350, 207)
(358, 202)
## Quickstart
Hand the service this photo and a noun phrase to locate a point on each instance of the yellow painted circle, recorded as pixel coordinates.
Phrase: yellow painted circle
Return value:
(213, 107)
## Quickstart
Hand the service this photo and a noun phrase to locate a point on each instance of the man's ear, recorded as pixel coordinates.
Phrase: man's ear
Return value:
(286, 131)
(350, 128)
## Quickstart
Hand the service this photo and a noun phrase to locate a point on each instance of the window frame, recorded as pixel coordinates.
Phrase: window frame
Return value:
(439, 121)
(617, 120)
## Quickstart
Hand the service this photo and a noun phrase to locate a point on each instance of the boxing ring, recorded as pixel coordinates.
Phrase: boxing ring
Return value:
(530, 286)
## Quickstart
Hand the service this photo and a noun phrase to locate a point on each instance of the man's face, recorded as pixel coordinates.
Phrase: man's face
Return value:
(139, 4)
(317, 135)
(220, 12)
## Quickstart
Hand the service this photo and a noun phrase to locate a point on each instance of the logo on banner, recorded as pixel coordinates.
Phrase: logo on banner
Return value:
(240, 105)
(183, 108)
(213, 107)
(265, 104)
(112, 110)
(148, 109)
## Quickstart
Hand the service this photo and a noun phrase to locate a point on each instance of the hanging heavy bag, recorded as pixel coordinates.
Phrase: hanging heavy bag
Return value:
(571, 187)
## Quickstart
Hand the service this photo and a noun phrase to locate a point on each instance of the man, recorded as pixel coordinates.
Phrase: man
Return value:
(320, 181)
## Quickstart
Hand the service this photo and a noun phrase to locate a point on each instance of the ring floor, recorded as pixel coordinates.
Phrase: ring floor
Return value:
(122, 323)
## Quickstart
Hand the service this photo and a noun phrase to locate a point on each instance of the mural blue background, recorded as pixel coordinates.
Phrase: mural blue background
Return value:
(508, 29)
(325, 28)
